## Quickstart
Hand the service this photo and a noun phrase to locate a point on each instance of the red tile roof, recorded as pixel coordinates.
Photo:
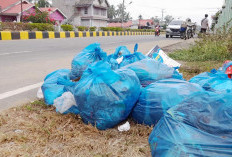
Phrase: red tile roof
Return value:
(48, 9)
(130, 23)
(6, 3)
(17, 8)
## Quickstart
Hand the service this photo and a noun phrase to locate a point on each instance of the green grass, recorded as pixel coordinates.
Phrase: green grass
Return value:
(209, 48)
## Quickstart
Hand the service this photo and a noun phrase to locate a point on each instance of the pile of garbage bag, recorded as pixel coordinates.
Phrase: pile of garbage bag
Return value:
(199, 126)
(190, 118)
(105, 97)
(160, 96)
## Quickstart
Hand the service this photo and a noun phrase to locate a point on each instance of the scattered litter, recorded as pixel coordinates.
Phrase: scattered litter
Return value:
(124, 127)
(18, 131)
(66, 104)
(158, 54)
(40, 94)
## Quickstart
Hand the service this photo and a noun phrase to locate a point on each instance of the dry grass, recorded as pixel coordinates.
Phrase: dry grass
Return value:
(37, 130)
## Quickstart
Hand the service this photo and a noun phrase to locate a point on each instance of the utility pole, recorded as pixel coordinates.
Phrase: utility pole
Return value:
(163, 15)
(21, 17)
(123, 3)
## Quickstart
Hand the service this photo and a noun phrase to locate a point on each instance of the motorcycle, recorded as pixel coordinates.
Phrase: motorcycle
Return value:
(157, 31)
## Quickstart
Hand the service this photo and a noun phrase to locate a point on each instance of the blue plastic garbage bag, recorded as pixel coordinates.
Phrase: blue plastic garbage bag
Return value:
(51, 89)
(89, 55)
(119, 52)
(215, 80)
(208, 111)
(132, 58)
(172, 138)
(149, 71)
(105, 97)
(158, 97)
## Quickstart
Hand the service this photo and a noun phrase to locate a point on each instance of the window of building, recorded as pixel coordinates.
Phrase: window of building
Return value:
(103, 12)
(96, 11)
(86, 10)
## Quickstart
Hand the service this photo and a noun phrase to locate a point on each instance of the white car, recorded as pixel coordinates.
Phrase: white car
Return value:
(173, 29)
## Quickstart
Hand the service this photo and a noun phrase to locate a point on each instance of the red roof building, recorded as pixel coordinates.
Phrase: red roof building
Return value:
(10, 10)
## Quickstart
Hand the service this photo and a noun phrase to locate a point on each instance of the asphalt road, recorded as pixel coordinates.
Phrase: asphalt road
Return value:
(25, 63)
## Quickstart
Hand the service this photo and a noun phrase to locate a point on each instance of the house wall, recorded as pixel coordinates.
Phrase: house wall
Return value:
(99, 23)
(31, 10)
(67, 6)
(57, 16)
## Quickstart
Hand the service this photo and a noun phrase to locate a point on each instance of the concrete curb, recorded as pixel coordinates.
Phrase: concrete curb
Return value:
(24, 35)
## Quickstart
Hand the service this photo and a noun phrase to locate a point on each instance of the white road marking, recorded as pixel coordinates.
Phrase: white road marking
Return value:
(20, 90)
(9, 53)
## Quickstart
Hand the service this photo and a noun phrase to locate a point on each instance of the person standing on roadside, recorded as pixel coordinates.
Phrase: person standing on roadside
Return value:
(204, 24)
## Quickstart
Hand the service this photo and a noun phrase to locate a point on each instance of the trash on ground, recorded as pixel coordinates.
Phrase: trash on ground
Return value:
(158, 97)
(105, 97)
(216, 80)
(149, 71)
(40, 93)
(66, 104)
(191, 118)
(124, 127)
(200, 126)
(51, 89)
(90, 54)
(158, 54)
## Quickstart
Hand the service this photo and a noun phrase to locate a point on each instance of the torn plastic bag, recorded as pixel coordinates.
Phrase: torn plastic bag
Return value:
(105, 97)
(172, 138)
(158, 97)
(208, 111)
(90, 54)
(216, 81)
(66, 104)
(51, 89)
(149, 71)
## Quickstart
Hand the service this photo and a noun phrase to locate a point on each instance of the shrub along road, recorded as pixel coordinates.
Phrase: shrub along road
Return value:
(25, 63)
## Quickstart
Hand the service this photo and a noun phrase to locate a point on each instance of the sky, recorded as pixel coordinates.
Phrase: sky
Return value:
(183, 9)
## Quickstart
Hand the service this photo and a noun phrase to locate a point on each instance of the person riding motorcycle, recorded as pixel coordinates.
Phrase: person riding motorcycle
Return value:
(157, 30)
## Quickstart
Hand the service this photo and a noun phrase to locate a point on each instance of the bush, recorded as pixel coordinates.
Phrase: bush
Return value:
(38, 17)
(92, 29)
(14, 26)
(41, 26)
(82, 28)
(67, 27)
(209, 48)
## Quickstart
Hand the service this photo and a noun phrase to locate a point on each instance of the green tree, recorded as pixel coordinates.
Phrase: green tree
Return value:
(111, 12)
(140, 17)
(43, 3)
(168, 19)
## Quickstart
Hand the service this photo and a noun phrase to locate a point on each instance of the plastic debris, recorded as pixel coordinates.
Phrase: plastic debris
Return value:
(124, 127)
(40, 93)
(158, 97)
(149, 71)
(51, 89)
(90, 54)
(158, 54)
(66, 104)
(105, 97)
